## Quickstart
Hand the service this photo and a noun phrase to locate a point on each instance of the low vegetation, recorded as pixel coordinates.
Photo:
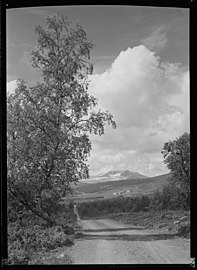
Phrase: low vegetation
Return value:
(140, 211)
(184, 230)
(167, 220)
(30, 236)
(115, 205)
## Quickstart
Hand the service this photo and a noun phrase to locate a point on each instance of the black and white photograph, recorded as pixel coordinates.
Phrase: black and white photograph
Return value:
(98, 135)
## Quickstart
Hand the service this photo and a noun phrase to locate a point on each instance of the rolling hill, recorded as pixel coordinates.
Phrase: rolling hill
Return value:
(123, 174)
(127, 187)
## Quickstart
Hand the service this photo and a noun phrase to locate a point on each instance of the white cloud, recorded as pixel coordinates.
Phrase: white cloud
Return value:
(150, 103)
(11, 86)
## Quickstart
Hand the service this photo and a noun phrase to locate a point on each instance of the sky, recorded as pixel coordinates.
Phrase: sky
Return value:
(141, 75)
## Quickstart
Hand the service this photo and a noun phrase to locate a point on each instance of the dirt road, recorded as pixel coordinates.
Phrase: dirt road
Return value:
(108, 242)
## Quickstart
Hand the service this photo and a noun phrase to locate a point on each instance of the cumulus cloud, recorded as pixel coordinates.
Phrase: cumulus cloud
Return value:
(150, 103)
(11, 86)
(149, 99)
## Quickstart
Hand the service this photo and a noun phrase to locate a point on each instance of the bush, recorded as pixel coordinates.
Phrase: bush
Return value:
(170, 197)
(184, 230)
(24, 241)
(29, 234)
(113, 205)
(135, 208)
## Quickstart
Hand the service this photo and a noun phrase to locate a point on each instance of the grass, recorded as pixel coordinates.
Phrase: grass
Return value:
(163, 220)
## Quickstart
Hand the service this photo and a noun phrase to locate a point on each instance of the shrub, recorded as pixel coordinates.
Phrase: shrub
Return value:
(184, 230)
(113, 205)
(24, 241)
(170, 197)
(29, 234)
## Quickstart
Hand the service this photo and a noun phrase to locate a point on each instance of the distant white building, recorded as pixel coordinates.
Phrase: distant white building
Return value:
(116, 193)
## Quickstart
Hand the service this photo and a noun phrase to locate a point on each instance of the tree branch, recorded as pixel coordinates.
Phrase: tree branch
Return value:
(41, 128)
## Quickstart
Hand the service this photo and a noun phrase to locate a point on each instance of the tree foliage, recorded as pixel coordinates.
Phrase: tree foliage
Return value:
(177, 157)
(48, 125)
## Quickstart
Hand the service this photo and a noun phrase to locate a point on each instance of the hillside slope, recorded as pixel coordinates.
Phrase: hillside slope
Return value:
(128, 187)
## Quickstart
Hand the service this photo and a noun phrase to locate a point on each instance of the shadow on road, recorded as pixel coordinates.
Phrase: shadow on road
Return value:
(113, 229)
(127, 237)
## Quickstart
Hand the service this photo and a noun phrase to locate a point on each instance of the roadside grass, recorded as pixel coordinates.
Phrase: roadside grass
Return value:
(164, 220)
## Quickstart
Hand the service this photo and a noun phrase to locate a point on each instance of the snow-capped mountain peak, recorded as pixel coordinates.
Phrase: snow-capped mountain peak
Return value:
(115, 176)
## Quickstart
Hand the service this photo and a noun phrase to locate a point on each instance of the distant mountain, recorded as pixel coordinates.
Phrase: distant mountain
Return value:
(115, 176)
(132, 175)
(111, 174)
(123, 174)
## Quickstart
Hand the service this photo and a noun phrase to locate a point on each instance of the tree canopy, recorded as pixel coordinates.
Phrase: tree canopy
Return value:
(177, 157)
(48, 125)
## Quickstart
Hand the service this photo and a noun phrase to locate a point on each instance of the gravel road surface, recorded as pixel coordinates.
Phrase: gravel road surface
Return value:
(106, 241)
